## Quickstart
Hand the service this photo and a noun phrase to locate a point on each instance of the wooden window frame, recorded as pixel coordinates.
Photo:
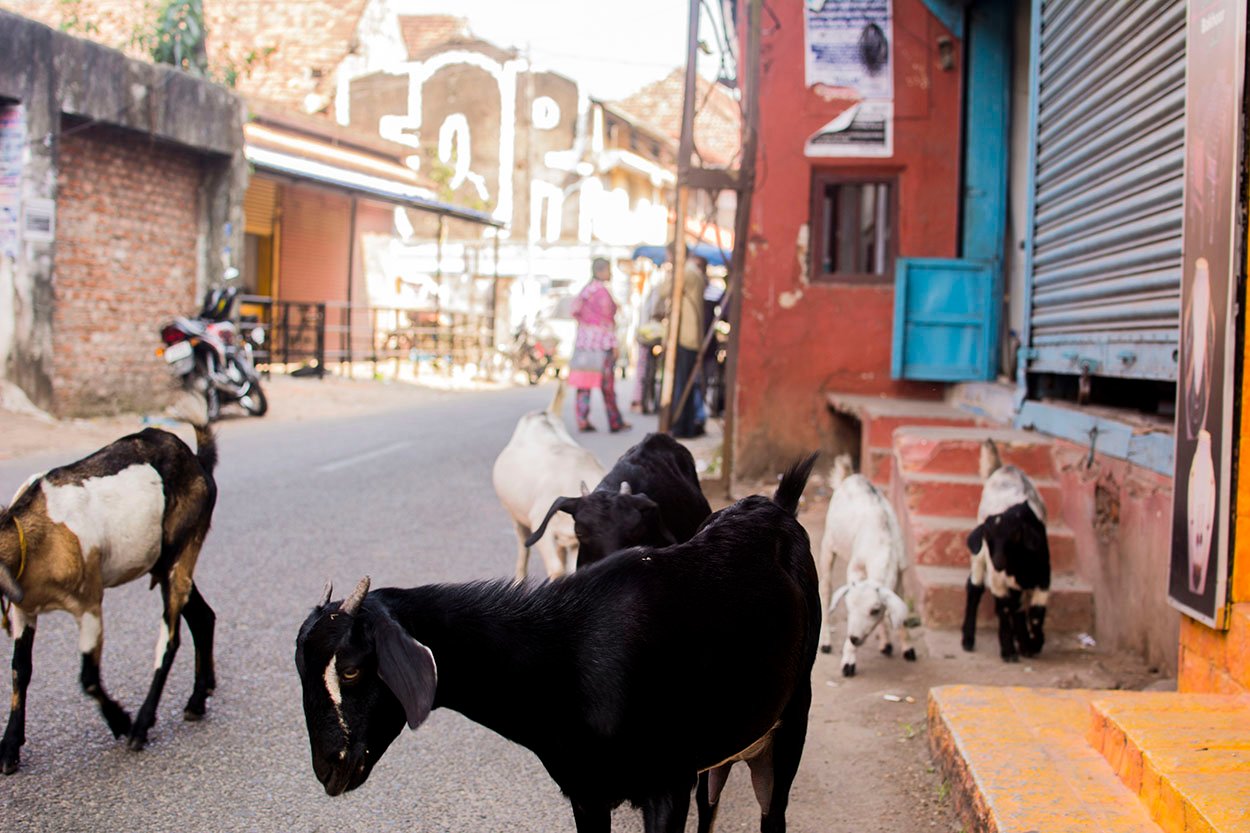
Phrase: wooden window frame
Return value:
(818, 223)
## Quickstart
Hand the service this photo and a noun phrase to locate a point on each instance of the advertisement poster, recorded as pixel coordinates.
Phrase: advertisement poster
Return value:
(850, 44)
(864, 129)
(12, 144)
(850, 47)
(1205, 432)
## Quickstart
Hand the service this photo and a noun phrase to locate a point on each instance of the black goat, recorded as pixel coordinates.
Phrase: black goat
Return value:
(626, 679)
(1011, 553)
(141, 505)
(650, 497)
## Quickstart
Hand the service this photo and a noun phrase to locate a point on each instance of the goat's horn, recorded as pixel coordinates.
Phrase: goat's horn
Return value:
(625, 490)
(8, 587)
(325, 595)
(585, 488)
(352, 603)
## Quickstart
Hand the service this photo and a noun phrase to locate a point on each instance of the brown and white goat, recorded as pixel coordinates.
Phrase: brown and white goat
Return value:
(142, 504)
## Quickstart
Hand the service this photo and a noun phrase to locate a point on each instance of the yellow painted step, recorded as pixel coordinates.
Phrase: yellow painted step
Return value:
(1186, 755)
(1018, 761)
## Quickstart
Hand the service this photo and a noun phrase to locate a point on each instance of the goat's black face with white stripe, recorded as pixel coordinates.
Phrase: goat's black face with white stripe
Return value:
(607, 521)
(362, 677)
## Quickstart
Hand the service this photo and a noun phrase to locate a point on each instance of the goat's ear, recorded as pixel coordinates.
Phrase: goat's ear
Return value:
(407, 667)
(561, 504)
(976, 539)
(625, 490)
(838, 596)
(585, 488)
(895, 607)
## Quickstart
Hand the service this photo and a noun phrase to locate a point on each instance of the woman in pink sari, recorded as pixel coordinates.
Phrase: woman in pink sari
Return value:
(594, 352)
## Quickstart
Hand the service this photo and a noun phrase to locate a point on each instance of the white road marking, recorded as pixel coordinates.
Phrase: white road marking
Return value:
(363, 456)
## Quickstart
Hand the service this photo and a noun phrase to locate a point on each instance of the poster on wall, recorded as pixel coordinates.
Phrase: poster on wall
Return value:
(1205, 431)
(850, 44)
(850, 47)
(12, 144)
(866, 128)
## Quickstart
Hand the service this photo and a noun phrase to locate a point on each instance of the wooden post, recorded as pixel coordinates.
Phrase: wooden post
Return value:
(684, 151)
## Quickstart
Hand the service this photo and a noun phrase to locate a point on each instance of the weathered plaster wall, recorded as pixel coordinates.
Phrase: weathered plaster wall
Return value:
(53, 75)
(1121, 515)
(799, 340)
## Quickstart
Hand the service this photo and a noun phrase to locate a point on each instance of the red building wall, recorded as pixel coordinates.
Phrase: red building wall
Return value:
(799, 340)
(126, 261)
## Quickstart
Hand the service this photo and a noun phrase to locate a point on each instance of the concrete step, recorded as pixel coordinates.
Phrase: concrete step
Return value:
(1017, 760)
(879, 417)
(943, 542)
(1187, 756)
(958, 495)
(940, 594)
(947, 450)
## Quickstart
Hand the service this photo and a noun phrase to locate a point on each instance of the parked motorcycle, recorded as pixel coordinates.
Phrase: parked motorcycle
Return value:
(213, 357)
(531, 355)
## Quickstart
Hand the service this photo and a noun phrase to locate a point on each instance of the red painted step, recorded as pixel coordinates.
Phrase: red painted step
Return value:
(959, 495)
(940, 594)
(930, 450)
(942, 542)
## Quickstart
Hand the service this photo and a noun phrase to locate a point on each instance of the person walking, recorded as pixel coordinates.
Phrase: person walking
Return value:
(594, 350)
(689, 336)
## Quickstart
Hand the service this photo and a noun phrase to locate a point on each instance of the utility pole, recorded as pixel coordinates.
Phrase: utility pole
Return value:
(685, 150)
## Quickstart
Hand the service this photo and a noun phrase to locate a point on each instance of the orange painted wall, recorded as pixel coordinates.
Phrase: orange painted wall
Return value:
(800, 340)
(1219, 661)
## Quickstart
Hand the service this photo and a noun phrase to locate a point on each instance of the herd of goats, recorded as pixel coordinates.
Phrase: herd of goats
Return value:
(618, 671)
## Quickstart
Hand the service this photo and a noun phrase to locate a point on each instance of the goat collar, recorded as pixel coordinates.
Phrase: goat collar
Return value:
(5, 604)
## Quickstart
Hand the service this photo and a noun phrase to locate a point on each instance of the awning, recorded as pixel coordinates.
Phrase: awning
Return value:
(301, 158)
(659, 254)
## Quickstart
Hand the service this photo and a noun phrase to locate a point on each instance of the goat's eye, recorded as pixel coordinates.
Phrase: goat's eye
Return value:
(351, 674)
(876, 611)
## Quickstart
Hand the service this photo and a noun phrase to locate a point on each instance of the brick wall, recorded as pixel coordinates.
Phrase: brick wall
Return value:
(126, 260)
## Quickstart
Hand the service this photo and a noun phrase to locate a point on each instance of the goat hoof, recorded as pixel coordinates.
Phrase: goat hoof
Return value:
(969, 644)
(1011, 657)
(910, 655)
(826, 649)
(888, 650)
(8, 767)
(194, 711)
(848, 670)
(136, 742)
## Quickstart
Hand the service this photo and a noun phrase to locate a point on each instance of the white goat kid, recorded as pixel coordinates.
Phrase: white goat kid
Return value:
(861, 525)
(538, 465)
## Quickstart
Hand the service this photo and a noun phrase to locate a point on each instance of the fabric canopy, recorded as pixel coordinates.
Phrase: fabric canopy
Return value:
(659, 254)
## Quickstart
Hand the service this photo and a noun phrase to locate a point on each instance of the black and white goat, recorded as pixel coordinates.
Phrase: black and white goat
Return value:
(627, 679)
(862, 526)
(1010, 551)
(141, 505)
(651, 496)
(540, 463)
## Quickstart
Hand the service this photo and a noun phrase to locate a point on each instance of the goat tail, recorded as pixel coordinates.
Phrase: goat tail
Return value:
(557, 402)
(842, 469)
(206, 449)
(790, 489)
(990, 459)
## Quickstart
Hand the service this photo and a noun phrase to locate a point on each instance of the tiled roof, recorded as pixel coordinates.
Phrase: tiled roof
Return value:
(424, 32)
(717, 124)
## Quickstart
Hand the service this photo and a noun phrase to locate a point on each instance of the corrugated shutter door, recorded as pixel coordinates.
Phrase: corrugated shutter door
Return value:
(1109, 182)
(315, 239)
(259, 202)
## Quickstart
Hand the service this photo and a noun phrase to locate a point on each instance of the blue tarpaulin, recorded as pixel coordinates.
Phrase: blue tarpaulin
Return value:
(659, 254)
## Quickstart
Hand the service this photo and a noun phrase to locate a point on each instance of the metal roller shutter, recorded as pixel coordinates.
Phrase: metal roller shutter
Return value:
(259, 203)
(1109, 176)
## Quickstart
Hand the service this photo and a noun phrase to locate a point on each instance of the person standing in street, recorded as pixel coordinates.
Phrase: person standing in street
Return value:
(689, 336)
(594, 350)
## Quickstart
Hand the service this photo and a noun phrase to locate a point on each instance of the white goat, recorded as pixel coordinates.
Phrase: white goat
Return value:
(861, 525)
(538, 465)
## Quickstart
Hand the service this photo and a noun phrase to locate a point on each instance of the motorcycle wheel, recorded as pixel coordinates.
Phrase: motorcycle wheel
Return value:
(254, 401)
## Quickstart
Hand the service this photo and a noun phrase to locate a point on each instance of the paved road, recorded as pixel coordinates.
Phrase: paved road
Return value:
(402, 495)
